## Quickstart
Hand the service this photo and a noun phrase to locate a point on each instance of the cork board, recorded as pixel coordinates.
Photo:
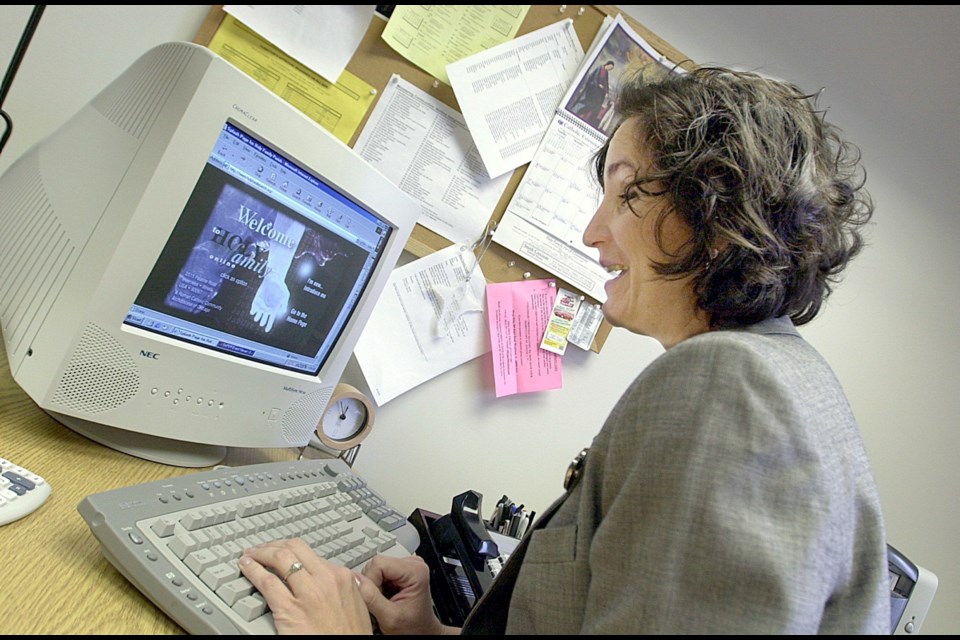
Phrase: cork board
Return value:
(375, 63)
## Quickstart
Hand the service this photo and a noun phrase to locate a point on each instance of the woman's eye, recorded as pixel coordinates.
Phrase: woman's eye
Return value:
(642, 190)
(630, 194)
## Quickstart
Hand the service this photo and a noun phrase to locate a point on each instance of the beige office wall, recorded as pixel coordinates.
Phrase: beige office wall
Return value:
(891, 331)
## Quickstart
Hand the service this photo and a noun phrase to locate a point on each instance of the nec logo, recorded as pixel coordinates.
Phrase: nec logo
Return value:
(150, 354)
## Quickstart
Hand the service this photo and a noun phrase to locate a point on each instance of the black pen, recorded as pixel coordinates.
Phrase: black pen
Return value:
(506, 511)
(497, 517)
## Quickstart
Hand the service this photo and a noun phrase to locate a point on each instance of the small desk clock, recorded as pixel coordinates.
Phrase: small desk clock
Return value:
(347, 419)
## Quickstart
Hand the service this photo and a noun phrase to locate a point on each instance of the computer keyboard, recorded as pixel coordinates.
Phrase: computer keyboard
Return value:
(179, 540)
(21, 491)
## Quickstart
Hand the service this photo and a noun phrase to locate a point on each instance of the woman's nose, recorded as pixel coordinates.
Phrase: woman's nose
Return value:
(592, 234)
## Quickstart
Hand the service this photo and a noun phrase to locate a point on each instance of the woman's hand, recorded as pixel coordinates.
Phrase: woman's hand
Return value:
(397, 593)
(305, 593)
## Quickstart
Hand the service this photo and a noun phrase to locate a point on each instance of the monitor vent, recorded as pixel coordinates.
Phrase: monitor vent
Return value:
(36, 254)
(133, 105)
(301, 419)
(101, 375)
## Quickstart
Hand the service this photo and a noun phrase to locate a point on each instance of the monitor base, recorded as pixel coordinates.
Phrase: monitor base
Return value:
(154, 448)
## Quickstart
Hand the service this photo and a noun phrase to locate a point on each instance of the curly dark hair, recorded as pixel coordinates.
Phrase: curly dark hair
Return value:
(773, 194)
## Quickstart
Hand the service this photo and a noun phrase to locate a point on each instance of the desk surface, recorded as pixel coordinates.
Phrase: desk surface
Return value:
(55, 580)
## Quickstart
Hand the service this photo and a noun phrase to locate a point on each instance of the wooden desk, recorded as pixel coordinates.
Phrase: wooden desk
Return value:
(55, 580)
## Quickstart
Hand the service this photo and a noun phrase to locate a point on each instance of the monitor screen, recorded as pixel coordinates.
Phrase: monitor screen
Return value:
(268, 261)
(200, 279)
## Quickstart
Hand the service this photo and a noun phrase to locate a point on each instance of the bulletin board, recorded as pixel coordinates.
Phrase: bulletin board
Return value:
(375, 63)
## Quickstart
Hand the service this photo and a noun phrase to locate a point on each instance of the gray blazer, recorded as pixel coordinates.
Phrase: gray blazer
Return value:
(727, 492)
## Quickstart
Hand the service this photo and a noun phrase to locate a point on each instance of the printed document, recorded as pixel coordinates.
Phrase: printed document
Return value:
(424, 147)
(517, 316)
(428, 321)
(432, 36)
(337, 107)
(322, 37)
(558, 194)
(509, 94)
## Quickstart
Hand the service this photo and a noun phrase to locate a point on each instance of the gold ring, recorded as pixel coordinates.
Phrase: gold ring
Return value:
(296, 566)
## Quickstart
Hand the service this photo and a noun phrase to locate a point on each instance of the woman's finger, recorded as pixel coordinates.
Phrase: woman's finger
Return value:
(279, 557)
(270, 585)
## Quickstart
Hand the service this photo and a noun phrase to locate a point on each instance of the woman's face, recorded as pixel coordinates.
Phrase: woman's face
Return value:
(623, 230)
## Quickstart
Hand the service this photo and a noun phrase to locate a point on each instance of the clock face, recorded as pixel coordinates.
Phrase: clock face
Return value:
(344, 418)
(347, 419)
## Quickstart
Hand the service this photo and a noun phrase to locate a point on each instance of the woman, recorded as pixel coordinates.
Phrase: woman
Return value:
(728, 490)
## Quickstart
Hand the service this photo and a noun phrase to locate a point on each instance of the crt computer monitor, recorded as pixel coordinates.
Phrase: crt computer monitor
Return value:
(187, 263)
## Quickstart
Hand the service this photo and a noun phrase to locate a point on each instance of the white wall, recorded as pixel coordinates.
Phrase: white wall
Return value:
(891, 331)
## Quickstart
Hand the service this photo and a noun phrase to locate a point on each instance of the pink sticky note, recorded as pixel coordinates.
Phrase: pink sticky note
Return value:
(517, 315)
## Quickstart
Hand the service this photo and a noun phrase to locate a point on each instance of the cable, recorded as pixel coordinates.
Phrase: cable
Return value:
(14, 66)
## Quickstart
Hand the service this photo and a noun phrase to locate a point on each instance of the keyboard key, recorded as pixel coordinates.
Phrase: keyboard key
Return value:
(217, 575)
(233, 590)
(199, 560)
(164, 526)
(250, 607)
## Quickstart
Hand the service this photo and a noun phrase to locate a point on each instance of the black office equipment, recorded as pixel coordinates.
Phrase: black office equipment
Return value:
(462, 556)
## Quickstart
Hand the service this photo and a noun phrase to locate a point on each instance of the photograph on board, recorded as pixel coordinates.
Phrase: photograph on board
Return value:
(622, 53)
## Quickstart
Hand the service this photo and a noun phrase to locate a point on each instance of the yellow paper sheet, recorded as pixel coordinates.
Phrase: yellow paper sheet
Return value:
(339, 108)
(433, 36)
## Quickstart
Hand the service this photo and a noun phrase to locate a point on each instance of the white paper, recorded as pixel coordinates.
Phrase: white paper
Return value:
(551, 207)
(424, 147)
(322, 37)
(585, 326)
(429, 319)
(559, 194)
(509, 93)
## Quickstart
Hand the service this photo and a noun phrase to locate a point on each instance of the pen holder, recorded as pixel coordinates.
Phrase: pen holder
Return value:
(510, 519)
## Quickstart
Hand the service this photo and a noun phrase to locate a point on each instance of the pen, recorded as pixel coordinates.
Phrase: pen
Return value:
(506, 512)
(524, 523)
(514, 523)
(495, 518)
